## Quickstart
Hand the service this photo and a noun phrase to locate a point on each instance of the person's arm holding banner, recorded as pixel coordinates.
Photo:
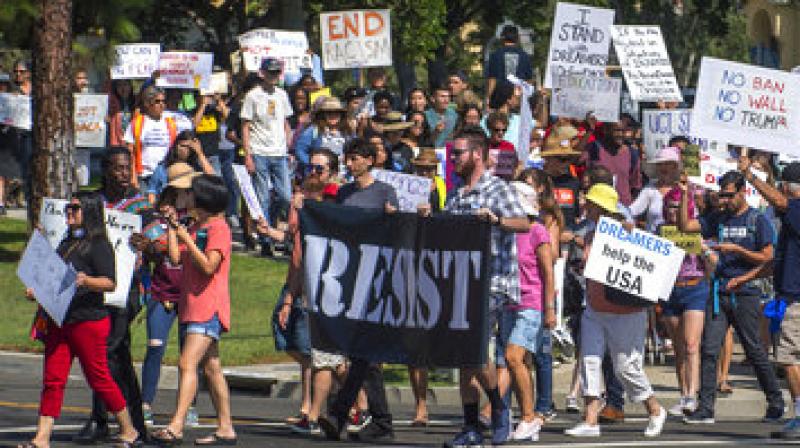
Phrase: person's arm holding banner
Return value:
(767, 191)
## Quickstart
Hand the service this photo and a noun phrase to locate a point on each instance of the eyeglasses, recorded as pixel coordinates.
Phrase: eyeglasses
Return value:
(71, 208)
(319, 169)
(726, 195)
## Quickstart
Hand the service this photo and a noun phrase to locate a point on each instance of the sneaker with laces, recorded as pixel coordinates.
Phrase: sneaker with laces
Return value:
(572, 405)
(773, 415)
(677, 410)
(359, 421)
(467, 438)
(304, 426)
(583, 430)
(527, 431)
(656, 423)
(192, 418)
(699, 417)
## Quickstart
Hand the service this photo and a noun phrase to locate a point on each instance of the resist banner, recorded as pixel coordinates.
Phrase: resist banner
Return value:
(354, 39)
(90, 120)
(396, 288)
(135, 61)
(635, 262)
(288, 46)
(748, 106)
(575, 96)
(579, 43)
(645, 63)
(185, 70)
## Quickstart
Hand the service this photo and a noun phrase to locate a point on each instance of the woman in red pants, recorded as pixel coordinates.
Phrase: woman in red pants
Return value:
(86, 325)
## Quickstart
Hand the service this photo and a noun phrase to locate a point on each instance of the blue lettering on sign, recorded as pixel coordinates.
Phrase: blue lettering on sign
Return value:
(636, 237)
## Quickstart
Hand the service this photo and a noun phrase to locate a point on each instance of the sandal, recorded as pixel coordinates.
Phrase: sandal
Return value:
(215, 439)
(725, 389)
(165, 437)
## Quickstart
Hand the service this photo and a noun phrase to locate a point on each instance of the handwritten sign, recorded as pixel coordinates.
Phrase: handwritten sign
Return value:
(135, 61)
(712, 168)
(185, 70)
(579, 43)
(645, 63)
(690, 242)
(635, 262)
(90, 120)
(248, 192)
(52, 280)
(504, 163)
(748, 105)
(119, 227)
(15, 110)
(411, 190)
(354, 39)
(659, 126)
(53, 221)
(290, 47)
(575, 96)
(219, 84)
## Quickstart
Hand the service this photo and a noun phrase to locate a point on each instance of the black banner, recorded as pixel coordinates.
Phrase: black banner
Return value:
(397, 288)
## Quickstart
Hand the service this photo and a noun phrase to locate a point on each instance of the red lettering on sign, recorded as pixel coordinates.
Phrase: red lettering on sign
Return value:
(373, 23)
(333, 27)
(564, 196)
(351, 25)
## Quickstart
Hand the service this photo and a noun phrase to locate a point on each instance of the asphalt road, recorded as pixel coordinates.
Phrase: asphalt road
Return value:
(259, 421)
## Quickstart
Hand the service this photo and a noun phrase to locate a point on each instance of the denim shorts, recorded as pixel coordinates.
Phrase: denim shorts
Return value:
(687, 298)
(519, 327)
(295, 337)
(211, 328)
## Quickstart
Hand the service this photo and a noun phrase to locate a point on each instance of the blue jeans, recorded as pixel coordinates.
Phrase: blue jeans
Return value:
(159, 322)
(543, 363)
(274, 172)
(226, 157)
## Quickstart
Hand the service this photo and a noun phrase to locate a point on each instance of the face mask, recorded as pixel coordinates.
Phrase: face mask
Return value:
(78, 233)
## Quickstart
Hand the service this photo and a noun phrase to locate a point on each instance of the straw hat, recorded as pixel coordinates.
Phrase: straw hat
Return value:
(426, 158)
(565, 132)
(555, 147)
(394, 122)
(330, 104)
(180, 175)
(604, 196)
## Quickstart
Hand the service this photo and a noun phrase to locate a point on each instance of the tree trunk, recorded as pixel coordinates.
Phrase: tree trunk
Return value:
(53, 128)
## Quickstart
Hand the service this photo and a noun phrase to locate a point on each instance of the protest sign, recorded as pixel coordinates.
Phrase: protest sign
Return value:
(90, 120)
(314, 96)
(119, 227)
(712, 168)
(636, 262)
(248, 192)
(441, 168)
(290, 47)
(395, 287)
(748, 106)
(579, 42)
(52, 281)
(53, 221)
(691, 160)
(15, 110)
(645, 63)
(523, 143)
(219, 84)
(658, 126)
(575, 96)
(185, 70)
(355, 39)
(504, 163)
(689, 242)
(411, 190)
(135, 61)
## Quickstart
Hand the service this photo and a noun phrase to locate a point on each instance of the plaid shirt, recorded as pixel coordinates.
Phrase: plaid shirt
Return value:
(496, 195)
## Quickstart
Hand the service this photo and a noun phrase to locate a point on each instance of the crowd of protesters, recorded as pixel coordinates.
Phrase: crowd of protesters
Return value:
(170, 158)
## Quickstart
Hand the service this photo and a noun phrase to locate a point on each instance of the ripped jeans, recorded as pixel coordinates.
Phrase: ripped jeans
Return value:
(159, 323)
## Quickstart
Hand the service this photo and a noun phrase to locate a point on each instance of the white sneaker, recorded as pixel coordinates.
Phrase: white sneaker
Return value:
(583, 430)
(656, 424)
(527, 431)
(677, 410)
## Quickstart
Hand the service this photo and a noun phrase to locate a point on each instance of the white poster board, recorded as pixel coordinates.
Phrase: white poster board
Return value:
(579, 42)
(523, 144)
(575, 96)
(712, 168)
(53, 221)
(635, 262)
(52, 280)
(747, 105)
(90, 120)
(119, 227)
(441, 168)
(411, 190)
(219, 84)
(355, 39)
(645, 63)
(185, 70)
(290, 47)
(135, 61)
(15, 110)
(248, 192)
(658, 126)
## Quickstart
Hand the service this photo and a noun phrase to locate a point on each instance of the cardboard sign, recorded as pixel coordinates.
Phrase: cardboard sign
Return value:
(411, 190)
(135, 61)
(355, 39)
(185, 70)
(635, 262)
(290, 47)
(219, 84)
(691, 160)
(53, 221)
(248, 192)
(15, 110)
(658, 126)
(575, 96)
(90, 120)
(314, 96)
(579, 43)
(52, 280)
(119, 227)
(645, 63)
(748, 106)
(712, 168)
(690, 242)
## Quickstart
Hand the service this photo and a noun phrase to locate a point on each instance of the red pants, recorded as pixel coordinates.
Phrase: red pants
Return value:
(87, 341)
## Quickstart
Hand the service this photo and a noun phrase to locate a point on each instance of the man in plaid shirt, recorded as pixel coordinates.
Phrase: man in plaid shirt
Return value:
(491, 198)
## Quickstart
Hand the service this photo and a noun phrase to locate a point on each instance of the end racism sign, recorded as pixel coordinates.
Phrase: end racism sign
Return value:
(354, 39)
(634, 262)
(396, 287)
(748, 106)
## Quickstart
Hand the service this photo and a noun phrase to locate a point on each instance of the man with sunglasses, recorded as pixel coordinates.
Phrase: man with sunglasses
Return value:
(558, 154)
(745, 247)
(149, 136)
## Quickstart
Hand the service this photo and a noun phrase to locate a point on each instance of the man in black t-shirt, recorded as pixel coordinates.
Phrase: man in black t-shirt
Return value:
(510, 59)
(557, 155)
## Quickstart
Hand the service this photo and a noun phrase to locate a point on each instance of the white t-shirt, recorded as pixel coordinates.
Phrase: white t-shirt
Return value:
(267, 113)
(155, 142)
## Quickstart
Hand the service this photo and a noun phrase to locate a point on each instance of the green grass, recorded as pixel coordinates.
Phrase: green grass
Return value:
(255, 284)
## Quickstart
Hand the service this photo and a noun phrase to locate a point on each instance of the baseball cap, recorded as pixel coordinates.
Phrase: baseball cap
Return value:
(271, 65)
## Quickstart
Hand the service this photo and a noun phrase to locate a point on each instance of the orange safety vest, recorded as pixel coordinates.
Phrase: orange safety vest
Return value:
(138, 124)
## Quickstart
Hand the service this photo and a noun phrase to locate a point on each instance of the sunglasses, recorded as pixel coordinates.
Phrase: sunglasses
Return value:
(319, 169)
(726, 195)
(499, 130)
(71, 208)
(457, 152)
(159, 102)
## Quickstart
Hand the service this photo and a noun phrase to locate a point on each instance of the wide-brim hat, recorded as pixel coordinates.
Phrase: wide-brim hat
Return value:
(604, 196)
(565, 132)
(427, 157)
(394, 122)
(180, 175)
(330, 104)
(554, 147)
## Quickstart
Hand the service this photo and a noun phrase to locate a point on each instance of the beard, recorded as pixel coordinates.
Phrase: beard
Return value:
(466, 169)
(313, 186)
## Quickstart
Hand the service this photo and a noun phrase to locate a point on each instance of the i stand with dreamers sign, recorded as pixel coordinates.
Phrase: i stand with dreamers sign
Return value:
(396, 287)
